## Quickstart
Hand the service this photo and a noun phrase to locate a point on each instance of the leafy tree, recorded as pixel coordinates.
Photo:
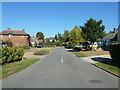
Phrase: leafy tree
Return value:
(75, 36)
(60, 37)
(92, 30)
(40, 35)
(56, 37)
(66, 36)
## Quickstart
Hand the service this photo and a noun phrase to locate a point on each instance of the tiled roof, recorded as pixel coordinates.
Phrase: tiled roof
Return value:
(18, 32)
(111, 35)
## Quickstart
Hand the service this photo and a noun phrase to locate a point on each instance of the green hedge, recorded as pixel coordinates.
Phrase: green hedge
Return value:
(114, 50)
(12, 54)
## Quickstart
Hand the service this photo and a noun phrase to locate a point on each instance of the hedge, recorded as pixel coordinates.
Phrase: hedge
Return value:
(114, 50)
(12, 54)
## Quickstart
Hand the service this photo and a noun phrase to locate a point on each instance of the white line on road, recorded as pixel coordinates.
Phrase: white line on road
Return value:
(62, 60)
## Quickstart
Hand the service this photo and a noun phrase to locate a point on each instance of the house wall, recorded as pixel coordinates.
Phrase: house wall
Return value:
(118, 35)
(17, 39)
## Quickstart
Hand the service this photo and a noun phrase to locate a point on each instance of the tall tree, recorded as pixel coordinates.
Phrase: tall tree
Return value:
(40, 36)
(60, 37)
(75, 36)
(66, 36)
(56, 37)
(92, 30)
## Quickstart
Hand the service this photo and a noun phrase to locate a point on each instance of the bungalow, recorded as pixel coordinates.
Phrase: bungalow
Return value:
(17, 37)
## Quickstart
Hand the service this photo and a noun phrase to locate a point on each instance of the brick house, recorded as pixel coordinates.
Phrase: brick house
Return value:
(17, 37)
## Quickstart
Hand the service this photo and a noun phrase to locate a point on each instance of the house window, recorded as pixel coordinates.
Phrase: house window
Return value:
(22, 36)
(1, 36)
(10, 35)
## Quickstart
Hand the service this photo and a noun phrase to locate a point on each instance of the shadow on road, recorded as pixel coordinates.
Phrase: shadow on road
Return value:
(73, 50)
(100, 59)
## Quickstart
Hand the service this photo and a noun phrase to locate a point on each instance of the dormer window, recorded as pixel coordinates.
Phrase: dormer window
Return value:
(10, 35)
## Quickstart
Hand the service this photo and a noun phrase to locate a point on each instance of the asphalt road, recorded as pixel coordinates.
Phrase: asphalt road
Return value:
(61, 69)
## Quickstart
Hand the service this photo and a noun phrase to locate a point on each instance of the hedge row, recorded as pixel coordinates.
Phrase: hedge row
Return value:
(114, 50)
(12, 54)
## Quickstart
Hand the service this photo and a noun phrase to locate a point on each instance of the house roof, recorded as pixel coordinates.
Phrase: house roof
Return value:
(50, 38)
(16, 32)
(110, 35)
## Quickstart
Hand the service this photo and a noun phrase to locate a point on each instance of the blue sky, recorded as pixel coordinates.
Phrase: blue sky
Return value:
(53, 17)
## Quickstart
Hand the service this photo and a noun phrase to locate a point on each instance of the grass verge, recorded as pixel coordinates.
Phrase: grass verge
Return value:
(80, 54)
(89, 53)
(41, 52)
(11, 68)
(111, 66)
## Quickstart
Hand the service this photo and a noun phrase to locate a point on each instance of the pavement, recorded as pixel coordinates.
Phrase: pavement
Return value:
(97, 58)
(61, 69)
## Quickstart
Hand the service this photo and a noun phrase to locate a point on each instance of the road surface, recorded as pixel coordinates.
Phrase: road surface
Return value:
(61, 69)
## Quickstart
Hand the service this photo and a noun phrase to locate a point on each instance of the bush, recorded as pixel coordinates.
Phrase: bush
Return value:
(23, 47)
(9, 43)
(114, 50)
(42, 52)
(12, 54)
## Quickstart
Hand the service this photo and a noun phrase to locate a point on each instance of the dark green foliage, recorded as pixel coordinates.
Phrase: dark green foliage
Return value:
(92, 30)
(56, 37)
(12, 54)
(114, 50)
(9, 43)
(23, 47)
(66, 36)
(40, 36)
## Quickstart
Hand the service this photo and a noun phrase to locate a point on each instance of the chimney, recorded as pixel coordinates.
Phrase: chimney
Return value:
(8, 29)
(23, 29)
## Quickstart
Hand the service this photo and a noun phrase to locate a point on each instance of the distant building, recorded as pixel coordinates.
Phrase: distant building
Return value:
(17, 37)
(34, 40)
(50, 39)
(111, 37)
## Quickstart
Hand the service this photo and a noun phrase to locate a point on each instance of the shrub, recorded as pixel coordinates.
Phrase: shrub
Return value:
(23, 47)
(12, 54)
(42, 52)
(9, 43)
(114, 50)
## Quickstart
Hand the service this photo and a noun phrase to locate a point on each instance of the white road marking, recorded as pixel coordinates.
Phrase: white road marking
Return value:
(62, 60)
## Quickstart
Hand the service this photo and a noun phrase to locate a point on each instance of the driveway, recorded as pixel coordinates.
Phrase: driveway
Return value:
(61, 69)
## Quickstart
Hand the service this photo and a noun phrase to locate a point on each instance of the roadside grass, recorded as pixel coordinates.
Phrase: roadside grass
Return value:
(78, 54)
(89, 53)
(111, 66)
(41, 52)
(11, 68)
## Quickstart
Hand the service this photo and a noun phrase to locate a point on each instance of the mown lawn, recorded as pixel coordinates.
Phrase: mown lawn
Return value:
(41, 52)
(111, 66)
(90, 53)
(11, 68)
(79, 54)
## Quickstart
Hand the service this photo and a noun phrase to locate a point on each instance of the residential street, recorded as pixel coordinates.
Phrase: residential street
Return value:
(61, 69)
